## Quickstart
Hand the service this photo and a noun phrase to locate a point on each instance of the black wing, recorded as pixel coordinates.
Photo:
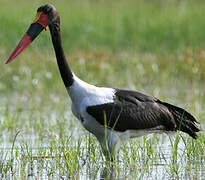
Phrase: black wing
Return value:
(133, 110)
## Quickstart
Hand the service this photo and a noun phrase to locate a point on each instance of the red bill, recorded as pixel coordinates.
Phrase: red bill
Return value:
(39, 23)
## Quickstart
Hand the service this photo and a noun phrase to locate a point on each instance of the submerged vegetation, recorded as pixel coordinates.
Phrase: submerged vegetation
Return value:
(157, 47)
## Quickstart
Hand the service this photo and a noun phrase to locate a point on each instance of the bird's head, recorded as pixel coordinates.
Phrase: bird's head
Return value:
(47, 15)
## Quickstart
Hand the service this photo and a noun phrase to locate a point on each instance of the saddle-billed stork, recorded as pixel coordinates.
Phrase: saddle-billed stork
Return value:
(112, 115)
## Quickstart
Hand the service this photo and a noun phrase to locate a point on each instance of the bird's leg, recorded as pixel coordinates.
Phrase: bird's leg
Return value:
(109, 149)
(106, 173)
(109, 156)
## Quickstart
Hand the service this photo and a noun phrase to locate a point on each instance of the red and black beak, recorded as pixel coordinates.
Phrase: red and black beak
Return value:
(39, 23)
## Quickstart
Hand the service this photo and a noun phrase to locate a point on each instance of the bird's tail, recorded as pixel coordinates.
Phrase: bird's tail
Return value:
(184, 121)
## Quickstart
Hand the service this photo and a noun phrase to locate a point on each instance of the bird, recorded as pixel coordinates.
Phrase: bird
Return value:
(112, 115)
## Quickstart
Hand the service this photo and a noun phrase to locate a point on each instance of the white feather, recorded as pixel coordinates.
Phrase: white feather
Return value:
(82, 92)
(83, 95)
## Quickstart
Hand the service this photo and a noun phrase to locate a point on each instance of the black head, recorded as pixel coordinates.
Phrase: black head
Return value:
(51, 12)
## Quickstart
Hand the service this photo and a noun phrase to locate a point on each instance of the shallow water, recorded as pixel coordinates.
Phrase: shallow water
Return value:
(39, 163)
(53, 145)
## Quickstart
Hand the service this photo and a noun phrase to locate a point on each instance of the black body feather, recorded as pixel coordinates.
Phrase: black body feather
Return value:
(132, 110)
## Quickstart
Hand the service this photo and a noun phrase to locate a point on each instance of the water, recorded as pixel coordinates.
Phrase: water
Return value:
(53, 145)
(39, 162)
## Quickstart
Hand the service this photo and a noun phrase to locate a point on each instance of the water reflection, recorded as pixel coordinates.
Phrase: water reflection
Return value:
(107, 173)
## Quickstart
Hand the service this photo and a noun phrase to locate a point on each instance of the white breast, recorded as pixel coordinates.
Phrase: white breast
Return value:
(83, 95)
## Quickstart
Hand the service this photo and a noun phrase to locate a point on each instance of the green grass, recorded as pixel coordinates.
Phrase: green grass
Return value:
(152, 46)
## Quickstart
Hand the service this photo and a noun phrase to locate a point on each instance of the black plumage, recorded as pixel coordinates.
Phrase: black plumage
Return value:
(132, 110)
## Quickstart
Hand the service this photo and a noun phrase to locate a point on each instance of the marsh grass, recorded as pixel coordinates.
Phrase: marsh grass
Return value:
(82, 159)
(155, 47)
